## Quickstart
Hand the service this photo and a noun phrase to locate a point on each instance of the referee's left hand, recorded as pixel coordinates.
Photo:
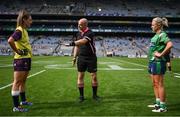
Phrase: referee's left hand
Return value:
(73, 61)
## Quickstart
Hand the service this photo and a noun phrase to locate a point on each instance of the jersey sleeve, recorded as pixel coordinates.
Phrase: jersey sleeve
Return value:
(89, 36)
(164, 38)
(17, 35)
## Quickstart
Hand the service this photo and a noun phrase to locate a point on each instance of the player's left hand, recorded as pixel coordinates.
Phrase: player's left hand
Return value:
(157, 54)
(23, 52)
(73, 61)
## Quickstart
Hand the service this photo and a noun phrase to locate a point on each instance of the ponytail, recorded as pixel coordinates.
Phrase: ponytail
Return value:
(164, 22)
(23, 14)
(161, 21)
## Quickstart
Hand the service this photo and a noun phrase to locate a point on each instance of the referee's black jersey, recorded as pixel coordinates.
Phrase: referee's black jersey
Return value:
(89, 48)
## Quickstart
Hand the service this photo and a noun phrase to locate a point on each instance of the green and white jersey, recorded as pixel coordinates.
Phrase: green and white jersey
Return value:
(158, 43)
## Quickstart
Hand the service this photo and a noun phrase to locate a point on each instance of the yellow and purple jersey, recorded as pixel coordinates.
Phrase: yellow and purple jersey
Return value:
(22, 42)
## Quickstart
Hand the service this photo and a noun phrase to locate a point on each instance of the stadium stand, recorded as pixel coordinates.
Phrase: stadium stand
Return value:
(105, 46)
(95, 8)
(122, 28)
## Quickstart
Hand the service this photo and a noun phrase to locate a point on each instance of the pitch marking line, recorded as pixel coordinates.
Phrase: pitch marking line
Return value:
(128, 62)
(27, 77)
(177, 75)
(135, 64)
(7, 65)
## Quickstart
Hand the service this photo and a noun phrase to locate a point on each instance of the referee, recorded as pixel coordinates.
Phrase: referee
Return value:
(85, 54)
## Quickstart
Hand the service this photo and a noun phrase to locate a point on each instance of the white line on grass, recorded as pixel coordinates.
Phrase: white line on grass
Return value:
(177, 73)
(4, 60)
(177, 76)
(136, 64)
(27, 77)
(128, 62)
(7, 65)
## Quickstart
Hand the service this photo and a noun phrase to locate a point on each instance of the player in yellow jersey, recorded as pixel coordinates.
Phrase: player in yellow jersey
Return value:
(19, 42)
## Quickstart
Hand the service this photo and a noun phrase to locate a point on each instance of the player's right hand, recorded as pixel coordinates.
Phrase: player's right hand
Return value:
(22, 52)
(74, 61)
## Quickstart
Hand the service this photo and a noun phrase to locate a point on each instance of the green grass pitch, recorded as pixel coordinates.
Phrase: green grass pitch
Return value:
(124, 85)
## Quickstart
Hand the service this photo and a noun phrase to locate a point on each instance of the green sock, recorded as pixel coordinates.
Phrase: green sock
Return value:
(162, 105)
(157, 101)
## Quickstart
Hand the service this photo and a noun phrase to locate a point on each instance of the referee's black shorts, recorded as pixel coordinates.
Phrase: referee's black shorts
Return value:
(87, 63)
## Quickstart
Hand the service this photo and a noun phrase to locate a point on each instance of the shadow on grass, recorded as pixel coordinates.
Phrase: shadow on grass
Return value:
(127, 97)
(174, 107)
(90, 102)
(66, 104)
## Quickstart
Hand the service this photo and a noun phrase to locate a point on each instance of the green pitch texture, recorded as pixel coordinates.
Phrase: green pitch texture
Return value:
(125, 91)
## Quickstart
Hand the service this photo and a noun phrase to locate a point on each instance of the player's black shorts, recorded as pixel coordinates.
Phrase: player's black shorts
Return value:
(87, 63)
(167, 57)
(23, 64)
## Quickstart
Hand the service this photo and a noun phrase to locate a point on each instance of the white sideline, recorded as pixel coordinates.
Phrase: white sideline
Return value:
(177, 73)
(27, 77)
(137, 64)
(128, 62)
(177, 76)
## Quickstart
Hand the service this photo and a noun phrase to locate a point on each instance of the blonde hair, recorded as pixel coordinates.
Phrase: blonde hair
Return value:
(23, 14)
(161, 21)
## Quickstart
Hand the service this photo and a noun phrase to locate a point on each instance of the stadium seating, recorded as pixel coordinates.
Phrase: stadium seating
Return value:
(105, 46)
(95, 8)
(130, 44)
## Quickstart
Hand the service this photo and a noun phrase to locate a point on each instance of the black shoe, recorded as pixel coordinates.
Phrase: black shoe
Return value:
(81, 99)
(96, 98)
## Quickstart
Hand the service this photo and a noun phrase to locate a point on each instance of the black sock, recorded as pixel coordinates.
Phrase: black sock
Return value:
(16, 100)
(23, 96)
(81, 91)
(169, 68)
(94, 90)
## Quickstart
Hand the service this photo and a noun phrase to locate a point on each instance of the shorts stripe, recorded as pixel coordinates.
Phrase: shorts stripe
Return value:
(157, 67)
